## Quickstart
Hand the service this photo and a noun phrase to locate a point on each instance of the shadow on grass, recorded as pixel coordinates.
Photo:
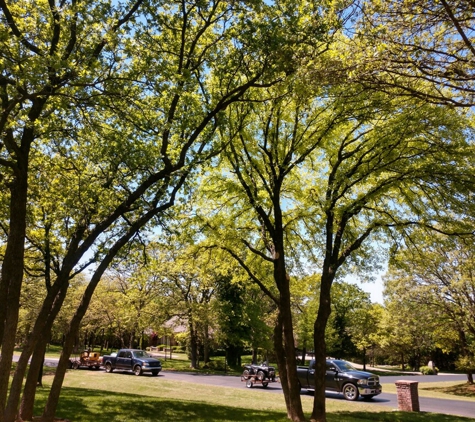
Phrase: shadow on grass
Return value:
(394, 417)
(86, 405)
(464, 390)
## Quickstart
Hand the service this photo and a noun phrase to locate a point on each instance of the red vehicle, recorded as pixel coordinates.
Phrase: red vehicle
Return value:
(88, 359)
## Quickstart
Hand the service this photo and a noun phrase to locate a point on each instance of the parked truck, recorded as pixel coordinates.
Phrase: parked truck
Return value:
(341, 377)
(134, 360)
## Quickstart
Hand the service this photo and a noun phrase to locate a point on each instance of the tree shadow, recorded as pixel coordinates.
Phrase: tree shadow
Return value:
(87, 405)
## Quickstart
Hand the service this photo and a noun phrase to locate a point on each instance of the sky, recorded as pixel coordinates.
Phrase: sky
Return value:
(375, 289)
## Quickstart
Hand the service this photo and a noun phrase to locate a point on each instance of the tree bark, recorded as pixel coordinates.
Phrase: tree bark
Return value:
(254, 355)
(41, 330)
(36, 364)
(304, 354)
(12, 272)
(70, 339)
(284, 338)
(35, 371)
(206, 358)
(324, 311)
(193, 346)
(470, 377)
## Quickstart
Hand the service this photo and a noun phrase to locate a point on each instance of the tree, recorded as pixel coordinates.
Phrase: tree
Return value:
(138, 296)
(349, 303)
(45, 61)
(420, 48)
(343, 166)
(304, 292)
(407, 334)
(251, 220)
(189, 281)
(240, 317)
(377, 174)
(351, 323)
(438, 273)
(167, 82)
(365, 329)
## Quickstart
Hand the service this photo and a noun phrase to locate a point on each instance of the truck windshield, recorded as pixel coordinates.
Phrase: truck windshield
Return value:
(140, 354)
(343, 366)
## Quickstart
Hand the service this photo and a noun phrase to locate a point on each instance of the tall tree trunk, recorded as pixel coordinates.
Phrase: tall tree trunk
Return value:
(41, 330)
(35, 371)
(324, 310)
(285, 343)
(206, 358)
(12, 273)
(29, 391)
(254, 355)
(193, 347)
(470, 377)
(295, 411)
(70, 339)
(285, 330)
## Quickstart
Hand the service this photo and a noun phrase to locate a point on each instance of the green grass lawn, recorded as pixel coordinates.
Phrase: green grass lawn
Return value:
(449, 390)
(95, 396)
(89, 396)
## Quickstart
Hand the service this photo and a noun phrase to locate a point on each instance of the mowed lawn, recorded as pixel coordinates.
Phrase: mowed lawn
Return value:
(94, 396)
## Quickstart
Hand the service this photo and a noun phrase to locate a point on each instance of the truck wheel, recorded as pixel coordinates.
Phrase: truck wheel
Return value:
(75, 364)
(245, 374)
(138, 370)
(261, 375)
(350, 392)
(265, 384)
(155, 373)
(109, 367)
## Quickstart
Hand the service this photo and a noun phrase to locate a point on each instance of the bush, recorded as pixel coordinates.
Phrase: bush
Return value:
(427, 370)
(215, 365)
(466, 364)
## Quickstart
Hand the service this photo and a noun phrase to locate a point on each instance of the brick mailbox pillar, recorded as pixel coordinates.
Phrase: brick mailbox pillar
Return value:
(407, 396)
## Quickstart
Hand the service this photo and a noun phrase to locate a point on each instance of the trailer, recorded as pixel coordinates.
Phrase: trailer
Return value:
(256, 379)
(88, 359)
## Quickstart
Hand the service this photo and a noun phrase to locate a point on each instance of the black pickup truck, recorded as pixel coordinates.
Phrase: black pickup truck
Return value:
(342, 378)
(134, 360)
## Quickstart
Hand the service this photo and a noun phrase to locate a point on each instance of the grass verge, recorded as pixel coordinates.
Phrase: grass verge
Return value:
(95, 396)
(449, 390)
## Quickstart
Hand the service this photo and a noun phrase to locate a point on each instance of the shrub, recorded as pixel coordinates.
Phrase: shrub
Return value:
(215, 365)
(427, 370)
(465, 363)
